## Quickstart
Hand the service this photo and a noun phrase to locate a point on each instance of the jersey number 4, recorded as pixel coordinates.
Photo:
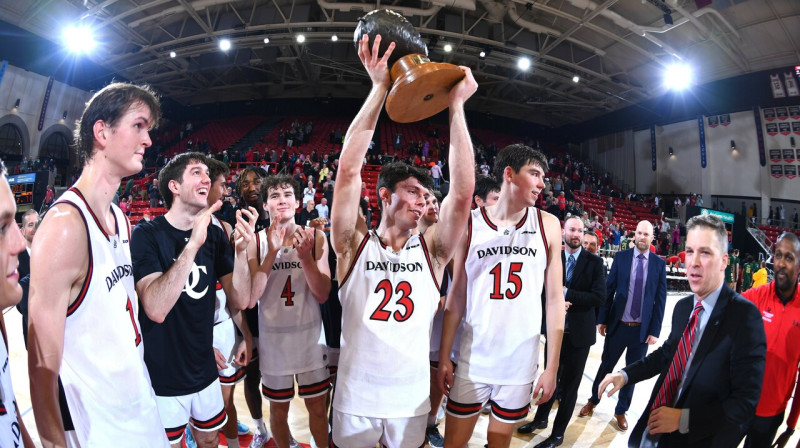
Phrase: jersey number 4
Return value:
(404, 289)
(513, 278)
(129, 309)
(287, 293)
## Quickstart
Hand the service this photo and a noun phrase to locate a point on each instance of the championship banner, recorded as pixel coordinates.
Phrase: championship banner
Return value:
(762, 156)
(796, 127)
(777, 86)
(3, 70)
(725, 119)
(776, 171)
(702, 129)
(775, 155)
(784, 128)
(769, 114)
(791, 84)
(44, 103)
(713, 121)
(794, 112)
(788, 155)
(653, 144)
(790, 171)
(781, 113)
(772, 129)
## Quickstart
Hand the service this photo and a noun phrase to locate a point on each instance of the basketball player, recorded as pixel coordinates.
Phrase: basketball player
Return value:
(291, 278)
(82, 304)
(231, 350)
(177, 260)
(510, 251)
(12, 431)
(388, 303)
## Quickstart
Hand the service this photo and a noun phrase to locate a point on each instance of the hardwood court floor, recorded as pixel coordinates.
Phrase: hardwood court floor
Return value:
(596, 431)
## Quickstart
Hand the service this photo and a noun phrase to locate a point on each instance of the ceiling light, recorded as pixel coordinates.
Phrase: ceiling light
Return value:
(301, 38)
(224, 44)
(576, 78)
(678, 76)
(448, 48)
(524, 63)
(482, 54)
(79, 39)
(266, 40)
(172, 54)
(334, 38)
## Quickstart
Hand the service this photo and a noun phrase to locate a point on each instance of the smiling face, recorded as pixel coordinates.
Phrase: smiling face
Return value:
(251, 188)
(406, 205)
(281, 203)
(526, 184)
(11, 244)
(431, 209)
(786, 263)
(194, 188)
(217, 190)
(29, 221)
(127, 140)
(705, 261)
(590, 242)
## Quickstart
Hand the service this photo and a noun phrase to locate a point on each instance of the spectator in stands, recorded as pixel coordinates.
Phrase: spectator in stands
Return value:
(615, 237)
(125, 206)
(152, 191)
(676, 239)
(128, 187)
(308, 214)
(436, 172)
(760, 276)
(322, 209)
(609, 208)
(49, 197)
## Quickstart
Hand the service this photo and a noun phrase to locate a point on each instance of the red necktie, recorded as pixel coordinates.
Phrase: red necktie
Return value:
(668, 390)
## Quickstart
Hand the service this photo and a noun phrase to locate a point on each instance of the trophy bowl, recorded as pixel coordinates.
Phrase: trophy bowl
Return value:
(420, 88)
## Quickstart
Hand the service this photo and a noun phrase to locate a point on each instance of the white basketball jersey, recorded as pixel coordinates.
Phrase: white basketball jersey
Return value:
(388, 302)
(103, 371)
(221, 311)
(9, 426)
(290, 337)
(505, 276)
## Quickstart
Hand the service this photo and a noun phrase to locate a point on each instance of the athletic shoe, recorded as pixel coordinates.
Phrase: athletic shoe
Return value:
(187, 434)
(434, 437)
(259, 440)
(242, 428)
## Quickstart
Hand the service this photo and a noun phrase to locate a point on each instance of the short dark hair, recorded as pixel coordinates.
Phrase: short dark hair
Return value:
(281, 180)
(485, 185)
(109, 105)
(396, 172)
(791, 238)
(711, 222)
(216, 169)
(516, 156)
(438, 195)
(173, 170)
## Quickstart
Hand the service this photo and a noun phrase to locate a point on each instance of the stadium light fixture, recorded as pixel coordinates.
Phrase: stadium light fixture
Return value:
(678, 76)
(79, 39)
(524, 63)
(224, 44)
(301, 38)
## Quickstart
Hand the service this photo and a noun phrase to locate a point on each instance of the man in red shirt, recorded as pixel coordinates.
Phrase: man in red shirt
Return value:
(779, 303)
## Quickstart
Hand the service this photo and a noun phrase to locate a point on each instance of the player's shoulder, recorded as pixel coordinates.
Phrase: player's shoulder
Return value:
(548, 219)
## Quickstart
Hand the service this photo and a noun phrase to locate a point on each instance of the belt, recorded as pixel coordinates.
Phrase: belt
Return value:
(631, 324)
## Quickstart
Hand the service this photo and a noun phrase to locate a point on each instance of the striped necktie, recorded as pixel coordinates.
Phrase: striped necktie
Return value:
(570, 267)
(669, 390)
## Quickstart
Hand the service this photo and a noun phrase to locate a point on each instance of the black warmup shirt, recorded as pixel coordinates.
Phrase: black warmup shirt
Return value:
(179, 352)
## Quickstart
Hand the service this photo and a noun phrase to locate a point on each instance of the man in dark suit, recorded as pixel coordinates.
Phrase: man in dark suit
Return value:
(636, 293)
(584, 291)
(711, 366)
(30, 220)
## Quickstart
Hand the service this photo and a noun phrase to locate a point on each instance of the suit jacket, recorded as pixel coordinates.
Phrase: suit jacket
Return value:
(586, 292)
(723, 384)
(24, 269)
(654, 298)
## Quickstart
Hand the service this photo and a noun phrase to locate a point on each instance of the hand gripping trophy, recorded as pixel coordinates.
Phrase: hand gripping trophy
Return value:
(420, 88)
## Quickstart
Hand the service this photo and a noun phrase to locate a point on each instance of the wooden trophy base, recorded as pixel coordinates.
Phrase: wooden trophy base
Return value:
(421, 88)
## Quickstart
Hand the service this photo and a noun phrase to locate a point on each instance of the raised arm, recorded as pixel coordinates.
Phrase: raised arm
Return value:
(555, 308)
(356, 142)
(240, 288)
(59, 262)
(454, 308)
(455, 208)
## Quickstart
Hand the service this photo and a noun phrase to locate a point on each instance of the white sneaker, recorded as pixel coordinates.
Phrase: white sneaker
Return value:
(259, 440)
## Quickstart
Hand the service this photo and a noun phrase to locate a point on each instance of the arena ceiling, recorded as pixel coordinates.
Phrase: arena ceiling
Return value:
(618, 48)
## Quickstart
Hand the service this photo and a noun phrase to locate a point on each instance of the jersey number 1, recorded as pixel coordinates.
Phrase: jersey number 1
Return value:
(513, 278)
(129, 309)
(403, 288)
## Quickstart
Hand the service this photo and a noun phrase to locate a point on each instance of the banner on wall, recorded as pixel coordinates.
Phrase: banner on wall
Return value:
(777, 86)
(725, 119)
(3, 66)
(776, 171)
(775, 155)
(762, 156)
(791, 84)
(796, 127)
(653, 145)
(788, 155)
(772, 129)
(790, 171)
(713, 121)
(44, 103)
(785, 128)
(769, 114)
(794, 112)
(781, 113)
(702, 129)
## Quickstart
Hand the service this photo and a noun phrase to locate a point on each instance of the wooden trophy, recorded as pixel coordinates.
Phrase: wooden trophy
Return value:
(420, 88)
